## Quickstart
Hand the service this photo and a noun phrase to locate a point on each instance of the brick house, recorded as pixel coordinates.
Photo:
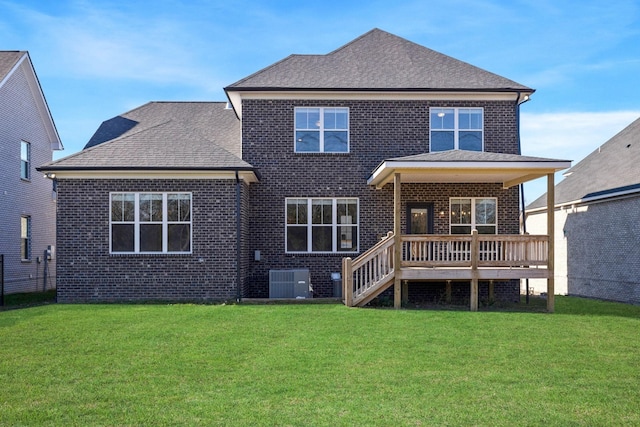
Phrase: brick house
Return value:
(308, 168)
(28, 137)
(596, 214)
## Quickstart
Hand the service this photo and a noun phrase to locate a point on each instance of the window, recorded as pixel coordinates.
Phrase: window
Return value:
(322, 130)
(25, 238)
(456, 129)
(150, 222)
(322, 225)
(470, 213)
(25, 160)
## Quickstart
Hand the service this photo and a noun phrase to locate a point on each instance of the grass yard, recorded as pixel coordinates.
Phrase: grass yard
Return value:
(319, 365)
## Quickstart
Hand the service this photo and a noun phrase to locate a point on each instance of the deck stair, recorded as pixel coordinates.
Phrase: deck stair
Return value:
(443, 258)
(370, 274)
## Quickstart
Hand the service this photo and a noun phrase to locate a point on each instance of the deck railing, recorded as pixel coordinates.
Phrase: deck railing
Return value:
(364, 275)
(494, 250)
(367, 271)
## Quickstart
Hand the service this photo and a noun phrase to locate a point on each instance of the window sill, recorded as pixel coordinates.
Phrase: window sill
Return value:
(150, 255)
(313, 153)
(321, 254)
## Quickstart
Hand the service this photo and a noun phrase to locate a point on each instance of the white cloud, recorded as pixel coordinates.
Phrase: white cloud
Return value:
(89, 41)
(570, 135)
(567, 136)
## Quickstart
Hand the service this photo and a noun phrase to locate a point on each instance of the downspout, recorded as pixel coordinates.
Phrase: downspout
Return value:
(517, 111)
(238, 239)
(522, 205)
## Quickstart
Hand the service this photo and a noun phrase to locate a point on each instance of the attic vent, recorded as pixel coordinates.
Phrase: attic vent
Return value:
(289, 284)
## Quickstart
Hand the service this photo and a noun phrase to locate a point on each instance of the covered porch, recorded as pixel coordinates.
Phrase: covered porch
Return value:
(399, 258)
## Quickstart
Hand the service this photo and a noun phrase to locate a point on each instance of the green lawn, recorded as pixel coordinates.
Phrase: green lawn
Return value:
(319, 365)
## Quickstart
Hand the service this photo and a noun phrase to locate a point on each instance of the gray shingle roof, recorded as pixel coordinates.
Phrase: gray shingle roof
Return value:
(465, 166)
(376, 60)
(8, 59)
(615, 165)
(210, 120)
(163, 135)
(470, 156)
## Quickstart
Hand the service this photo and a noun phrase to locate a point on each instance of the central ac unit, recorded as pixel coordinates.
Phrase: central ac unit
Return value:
(289, 283)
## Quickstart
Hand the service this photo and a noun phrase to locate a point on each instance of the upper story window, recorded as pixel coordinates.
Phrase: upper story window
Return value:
(456, 129)
(322, 130)
(25, 160)
(473, 212)
(150, 223)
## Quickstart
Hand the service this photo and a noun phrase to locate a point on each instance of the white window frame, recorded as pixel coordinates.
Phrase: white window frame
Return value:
(456, 127)
(321, 129)
(335, 225)
(165, 223)
(25, 163)
(25, 240)
(473, 223)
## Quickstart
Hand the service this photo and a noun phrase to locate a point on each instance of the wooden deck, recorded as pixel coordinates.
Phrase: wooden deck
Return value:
(444, 258)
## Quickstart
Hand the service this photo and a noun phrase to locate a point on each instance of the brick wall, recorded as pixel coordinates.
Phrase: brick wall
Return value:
(87, 272)
(378, 130)
(603, 251)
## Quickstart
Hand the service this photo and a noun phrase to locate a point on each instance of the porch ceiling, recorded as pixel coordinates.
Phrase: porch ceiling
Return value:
(458, 166)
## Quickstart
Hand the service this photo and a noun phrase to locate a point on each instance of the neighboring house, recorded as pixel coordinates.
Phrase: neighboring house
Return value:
(28, 137)
(596, 216)
(320, 157)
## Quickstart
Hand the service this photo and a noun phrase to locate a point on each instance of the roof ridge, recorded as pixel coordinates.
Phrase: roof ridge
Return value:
(268, 67)
(108, 143)
(373, 30)
(293, 55)
(375, 60)
(166, 102)
(105, 143)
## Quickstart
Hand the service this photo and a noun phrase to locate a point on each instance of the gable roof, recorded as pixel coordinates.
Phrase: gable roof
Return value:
(377, 60)
(10, 62)
(612, 169)
(162, 136)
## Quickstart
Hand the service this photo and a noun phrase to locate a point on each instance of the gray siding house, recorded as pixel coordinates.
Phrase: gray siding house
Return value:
(28, 137)
(381, 168)
(597, 208)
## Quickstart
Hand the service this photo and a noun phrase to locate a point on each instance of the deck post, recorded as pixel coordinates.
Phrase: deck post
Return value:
(551, 233)
(448, 292)
(491, 291)
(347, 281)
(405, 292)
(397, 255)
(473, 301)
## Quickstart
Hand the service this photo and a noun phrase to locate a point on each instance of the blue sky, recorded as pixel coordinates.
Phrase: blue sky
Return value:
(98, 58)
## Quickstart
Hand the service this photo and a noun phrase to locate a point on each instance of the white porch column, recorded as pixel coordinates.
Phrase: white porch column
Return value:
(551, 233)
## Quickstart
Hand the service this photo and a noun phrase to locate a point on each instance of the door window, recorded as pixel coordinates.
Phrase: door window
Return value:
(419, 218)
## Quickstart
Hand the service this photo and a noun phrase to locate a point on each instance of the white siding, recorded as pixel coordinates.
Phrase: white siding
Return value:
(537, 224)
(21, 119)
